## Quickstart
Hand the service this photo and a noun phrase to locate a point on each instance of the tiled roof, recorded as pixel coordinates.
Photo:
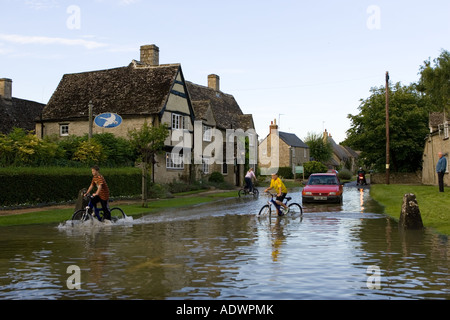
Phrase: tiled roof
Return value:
(127, 91)
(18, 113)
(292, 140)
(226, 111)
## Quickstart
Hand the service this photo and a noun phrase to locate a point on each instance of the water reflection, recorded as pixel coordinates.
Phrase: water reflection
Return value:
(224, 250)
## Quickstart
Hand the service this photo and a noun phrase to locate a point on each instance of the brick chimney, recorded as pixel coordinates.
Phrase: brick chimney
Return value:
(6, 88)
(214, 82)
(273, 126)
(150, 55)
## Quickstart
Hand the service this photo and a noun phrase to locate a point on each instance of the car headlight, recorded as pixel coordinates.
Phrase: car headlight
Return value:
(307, 193)
(332, 193)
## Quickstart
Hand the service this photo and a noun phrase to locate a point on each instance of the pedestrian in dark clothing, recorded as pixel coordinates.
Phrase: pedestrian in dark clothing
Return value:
(441, 168)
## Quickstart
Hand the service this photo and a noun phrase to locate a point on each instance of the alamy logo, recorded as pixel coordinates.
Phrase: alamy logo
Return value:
(74, 280)
(236, 146)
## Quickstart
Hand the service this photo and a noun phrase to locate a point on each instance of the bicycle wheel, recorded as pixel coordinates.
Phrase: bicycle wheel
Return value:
(242, 193)
(81, 215)
(295, 210)
(116, 214)
(265, 211)
(255, 193)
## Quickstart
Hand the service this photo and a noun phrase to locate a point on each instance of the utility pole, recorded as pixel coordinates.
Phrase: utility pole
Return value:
(90, 106)
(387, 127)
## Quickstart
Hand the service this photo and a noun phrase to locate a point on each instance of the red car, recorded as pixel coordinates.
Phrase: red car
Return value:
(322, 187)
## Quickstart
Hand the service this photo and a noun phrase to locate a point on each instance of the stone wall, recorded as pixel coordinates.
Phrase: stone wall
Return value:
(397, 178)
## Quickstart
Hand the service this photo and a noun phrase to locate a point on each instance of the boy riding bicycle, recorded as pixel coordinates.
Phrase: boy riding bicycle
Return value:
(102, 193)
(281, 191)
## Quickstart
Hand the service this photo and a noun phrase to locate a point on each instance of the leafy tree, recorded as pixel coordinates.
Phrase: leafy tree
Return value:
(435, 81)
(148, 142)
(319, 149)
(408, 127)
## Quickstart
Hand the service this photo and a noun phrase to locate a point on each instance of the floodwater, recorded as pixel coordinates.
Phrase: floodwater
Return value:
(224, 250)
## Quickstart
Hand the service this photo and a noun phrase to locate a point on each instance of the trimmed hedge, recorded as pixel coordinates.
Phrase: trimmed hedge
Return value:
(19, 186)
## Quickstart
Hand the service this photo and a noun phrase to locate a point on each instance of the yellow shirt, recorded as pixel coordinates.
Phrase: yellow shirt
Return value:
(276, 184)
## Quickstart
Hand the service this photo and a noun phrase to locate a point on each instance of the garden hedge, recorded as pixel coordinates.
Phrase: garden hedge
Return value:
(21, 186)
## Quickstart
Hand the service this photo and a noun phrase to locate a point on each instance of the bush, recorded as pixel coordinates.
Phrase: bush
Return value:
(344, 174)
(216, 177)
(20, 148)
(285, 173)
(314, 167)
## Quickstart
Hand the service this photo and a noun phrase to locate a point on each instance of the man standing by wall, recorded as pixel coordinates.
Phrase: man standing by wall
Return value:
(441, 168)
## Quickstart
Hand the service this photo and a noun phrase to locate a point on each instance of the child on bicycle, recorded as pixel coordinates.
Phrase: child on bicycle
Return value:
(281, 191)
(249, 177)
(102, 193)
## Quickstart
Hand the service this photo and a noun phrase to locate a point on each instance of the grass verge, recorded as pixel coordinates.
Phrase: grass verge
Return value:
(134, 210)
(433, 205)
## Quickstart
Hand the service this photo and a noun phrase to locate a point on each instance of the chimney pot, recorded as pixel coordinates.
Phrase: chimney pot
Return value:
(150, 55)
(273, 126)
(6, 88)
(214, 82)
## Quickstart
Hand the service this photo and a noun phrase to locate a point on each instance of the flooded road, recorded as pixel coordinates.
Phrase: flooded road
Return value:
(224, 250)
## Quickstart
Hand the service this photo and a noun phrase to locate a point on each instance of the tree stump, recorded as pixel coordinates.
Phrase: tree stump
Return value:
(410, 217)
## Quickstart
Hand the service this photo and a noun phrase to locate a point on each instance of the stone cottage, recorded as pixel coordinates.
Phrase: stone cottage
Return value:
(292, 151)
(219, 112)
(342, 157)
(436, 141)
(15, 112)
(143, 91)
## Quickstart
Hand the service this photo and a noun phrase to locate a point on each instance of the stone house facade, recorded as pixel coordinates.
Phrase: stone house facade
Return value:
(436, 141)
(143, 91)
(292, 151)
(219, 112)
(342, 157)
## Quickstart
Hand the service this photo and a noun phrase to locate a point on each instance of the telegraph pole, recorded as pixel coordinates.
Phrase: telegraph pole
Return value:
(387, 127)
(90, 106)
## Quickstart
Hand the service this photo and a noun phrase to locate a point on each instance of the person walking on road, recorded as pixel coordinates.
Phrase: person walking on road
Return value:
(441, 168)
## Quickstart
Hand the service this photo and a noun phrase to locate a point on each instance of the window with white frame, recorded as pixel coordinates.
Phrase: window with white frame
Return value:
(64, 130)
(174, 161)
(205, 165)
(177, 121)
(207, 133)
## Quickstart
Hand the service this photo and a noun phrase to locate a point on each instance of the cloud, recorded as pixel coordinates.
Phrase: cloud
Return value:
(42, 4)
(119, 2)
(19, 39)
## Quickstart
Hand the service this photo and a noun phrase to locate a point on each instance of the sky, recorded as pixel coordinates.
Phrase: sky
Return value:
(305, 64)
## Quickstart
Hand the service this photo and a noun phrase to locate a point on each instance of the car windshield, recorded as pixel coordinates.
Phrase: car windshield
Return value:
(322, 180)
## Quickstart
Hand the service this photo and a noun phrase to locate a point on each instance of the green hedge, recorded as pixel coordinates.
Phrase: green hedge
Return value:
(20, 186)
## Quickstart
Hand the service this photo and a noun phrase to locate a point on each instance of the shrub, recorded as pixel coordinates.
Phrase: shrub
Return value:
(216, 177)
(285, 172)
(344, 174)
(314, 167)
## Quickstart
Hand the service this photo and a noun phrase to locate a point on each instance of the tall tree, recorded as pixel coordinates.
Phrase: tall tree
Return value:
(435, 81)
(408, 126)
(319, 149)
(148, 142)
